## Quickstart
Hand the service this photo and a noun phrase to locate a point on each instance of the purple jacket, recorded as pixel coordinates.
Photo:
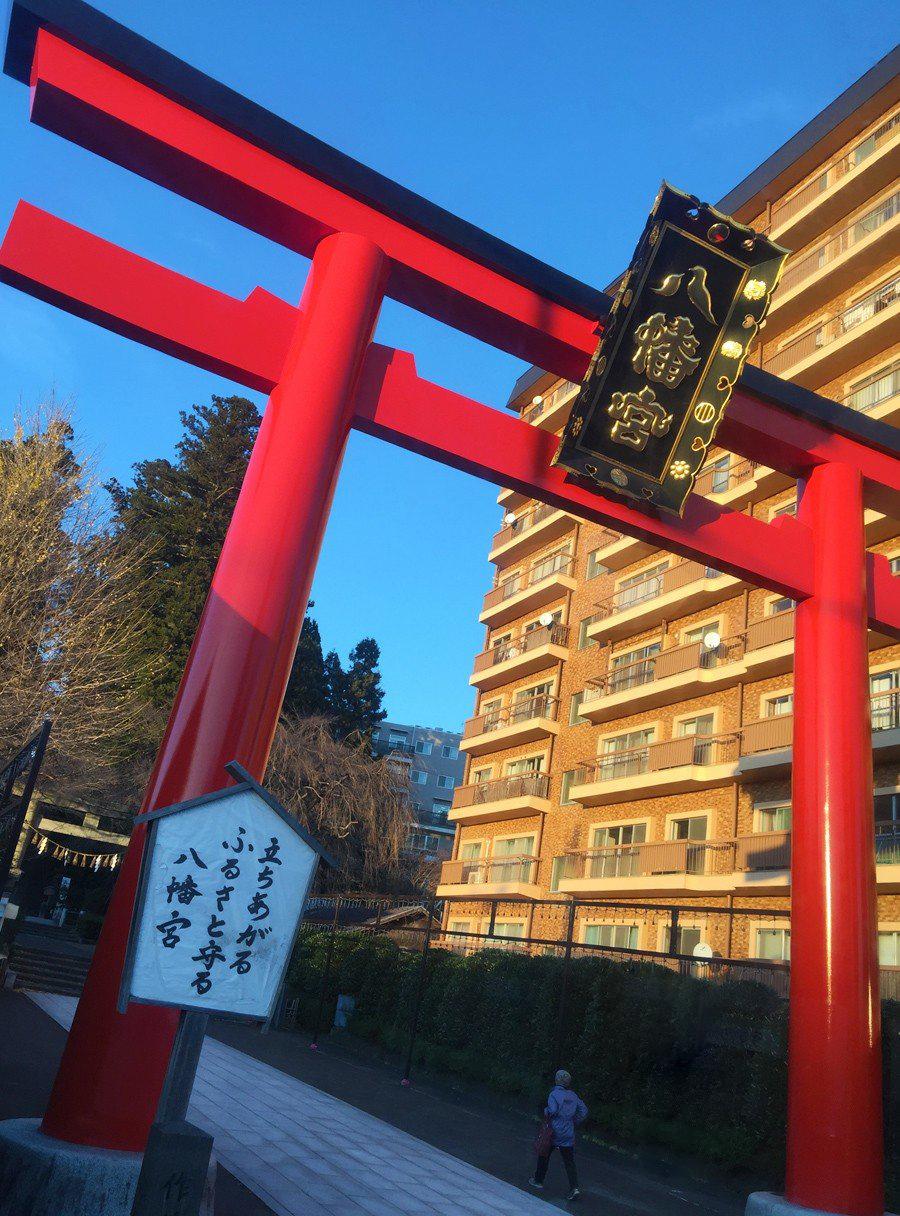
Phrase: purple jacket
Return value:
(565, 1110)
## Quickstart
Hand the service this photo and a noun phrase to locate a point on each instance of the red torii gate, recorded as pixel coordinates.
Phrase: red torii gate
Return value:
(106, 88)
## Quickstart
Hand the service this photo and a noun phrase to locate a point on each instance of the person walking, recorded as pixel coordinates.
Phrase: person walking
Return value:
(562, 1114)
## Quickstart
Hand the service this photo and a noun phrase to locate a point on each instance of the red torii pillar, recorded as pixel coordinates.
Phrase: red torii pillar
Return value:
(332, 378)
(230, 695)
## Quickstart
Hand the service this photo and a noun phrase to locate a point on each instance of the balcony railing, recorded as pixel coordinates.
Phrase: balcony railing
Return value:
(834, 172)
(875, 390)
(550, 402)
(886, 710)
(545, 635)
(887, 843)
(767, 735)
(679, 659)
(720, 481)
(528, 519)
(755, 853)
(542, 706)
(823, 335)
(656, 585)
(519, 785)
(839, 243)
(556, 563)
(516, 869)
(770, 631)
(654, 757)
(776, 733)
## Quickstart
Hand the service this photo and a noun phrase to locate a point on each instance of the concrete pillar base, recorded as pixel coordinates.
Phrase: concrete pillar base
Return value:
(762, 1203)
(40, 1176)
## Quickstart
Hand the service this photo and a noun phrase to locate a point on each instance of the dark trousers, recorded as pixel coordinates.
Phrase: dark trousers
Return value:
(568, 1157)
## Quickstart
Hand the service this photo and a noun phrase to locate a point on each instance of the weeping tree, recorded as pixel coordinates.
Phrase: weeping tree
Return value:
(72, 616)
(357, 806)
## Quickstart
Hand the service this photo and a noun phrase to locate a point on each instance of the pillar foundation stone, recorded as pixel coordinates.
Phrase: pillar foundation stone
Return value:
(763, 1203)
(42, 1176)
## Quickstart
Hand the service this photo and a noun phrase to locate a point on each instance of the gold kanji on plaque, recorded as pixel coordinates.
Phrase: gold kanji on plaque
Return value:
(638, 417)
(665, 349)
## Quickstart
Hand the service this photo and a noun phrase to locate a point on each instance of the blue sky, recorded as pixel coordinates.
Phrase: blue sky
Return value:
(548, 122)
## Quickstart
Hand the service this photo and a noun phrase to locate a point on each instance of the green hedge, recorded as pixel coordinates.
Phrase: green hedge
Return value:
(659, 1058)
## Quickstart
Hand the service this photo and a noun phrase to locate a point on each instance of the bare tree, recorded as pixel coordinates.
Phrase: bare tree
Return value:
(70, 609)
(356, 805)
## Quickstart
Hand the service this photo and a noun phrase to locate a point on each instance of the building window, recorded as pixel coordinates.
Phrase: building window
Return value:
(621, 936)
(774, 944)
(701, 725)
(783, 604)
(396, 738)
(773, 818)
(511, 930)
(417, 777)
(449, 752)
(568, 779)
(445, 782)
(529, 764)
(889, 947)
(440, 807)
(688, 827)
(780, 706)
(557, 873)
(423, 747)
(687, 938)
(786, 508)
(594, 565)
(575, 718)
(480, 774)
(583, 640)
(719, 474)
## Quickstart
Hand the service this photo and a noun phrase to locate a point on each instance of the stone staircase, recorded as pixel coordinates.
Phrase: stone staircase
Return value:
(48, 959)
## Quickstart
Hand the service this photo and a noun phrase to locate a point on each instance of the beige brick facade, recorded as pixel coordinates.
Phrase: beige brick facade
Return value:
(666, 820)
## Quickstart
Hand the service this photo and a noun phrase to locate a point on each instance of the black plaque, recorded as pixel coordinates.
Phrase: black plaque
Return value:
(679, 331)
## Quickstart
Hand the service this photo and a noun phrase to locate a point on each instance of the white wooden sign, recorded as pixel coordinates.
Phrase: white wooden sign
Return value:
(223, 883)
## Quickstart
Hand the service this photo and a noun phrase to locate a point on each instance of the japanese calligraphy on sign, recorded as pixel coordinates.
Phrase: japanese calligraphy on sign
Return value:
(686, 314)
(223, 884)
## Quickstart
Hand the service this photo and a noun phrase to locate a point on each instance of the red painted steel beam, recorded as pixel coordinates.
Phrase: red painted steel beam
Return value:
(247, 340)
(116, 116)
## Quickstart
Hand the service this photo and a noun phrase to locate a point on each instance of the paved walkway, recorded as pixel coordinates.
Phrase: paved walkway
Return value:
(304, 1152)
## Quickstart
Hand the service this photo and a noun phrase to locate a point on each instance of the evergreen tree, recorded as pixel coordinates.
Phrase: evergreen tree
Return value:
(178, 512)
(357, 706)
(306, 695)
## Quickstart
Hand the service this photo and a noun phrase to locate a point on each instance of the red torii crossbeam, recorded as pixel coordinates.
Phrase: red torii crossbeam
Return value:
(104, 87)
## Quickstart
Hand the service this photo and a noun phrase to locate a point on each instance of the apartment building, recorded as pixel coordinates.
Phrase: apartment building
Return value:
(633, 725)
(433, 767)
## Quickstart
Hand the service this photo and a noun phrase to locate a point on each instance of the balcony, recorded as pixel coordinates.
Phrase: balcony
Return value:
(767, 744)
(508, 876)
(524, 721)
(545, 581)
(617, 551)
(748, 863)
(531, 652)
(677, 591)
(847, 257)
(843, 184)
(837, 345)
(878, 395)
(755, 864)
(662, 678)
(511, 797)
(769, 646)
(740, 483)
(674, 766)
(551, 413)
(538, 526)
